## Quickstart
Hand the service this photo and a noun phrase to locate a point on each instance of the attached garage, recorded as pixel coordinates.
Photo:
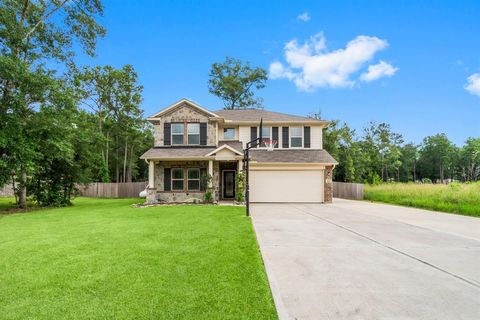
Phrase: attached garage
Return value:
(286, 184)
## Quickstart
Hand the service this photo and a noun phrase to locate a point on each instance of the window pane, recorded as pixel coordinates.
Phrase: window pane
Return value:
(229, 133)
(266, 132)
(177, 173)
(296, 142)
(193, 173)
(193, 184)
(177, 128)
(296, 131)
(193, 128)
(177, 139)
(193, 139)
(177, 184)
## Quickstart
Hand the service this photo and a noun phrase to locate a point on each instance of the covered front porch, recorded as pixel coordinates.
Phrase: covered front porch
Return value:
(188, 179)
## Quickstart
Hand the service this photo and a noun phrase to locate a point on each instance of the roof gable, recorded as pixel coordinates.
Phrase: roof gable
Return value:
(178, 104)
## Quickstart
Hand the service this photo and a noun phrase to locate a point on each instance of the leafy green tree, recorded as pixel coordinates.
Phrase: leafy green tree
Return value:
(470, 160)
(233, 82)
(437, 157)
(33, 33)
(114, 97)
(409, 159)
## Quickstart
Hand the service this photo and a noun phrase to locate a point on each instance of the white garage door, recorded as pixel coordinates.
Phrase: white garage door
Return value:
(286, 186)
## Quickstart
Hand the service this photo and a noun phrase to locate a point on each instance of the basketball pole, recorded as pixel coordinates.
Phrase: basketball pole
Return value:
(246, 160)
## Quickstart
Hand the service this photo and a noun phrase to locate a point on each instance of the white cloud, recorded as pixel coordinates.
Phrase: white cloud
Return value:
(311, 65)
(304, 16)
(473, 84)
(377, 71)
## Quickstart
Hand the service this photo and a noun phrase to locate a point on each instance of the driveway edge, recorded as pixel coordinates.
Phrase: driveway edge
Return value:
(274, 288)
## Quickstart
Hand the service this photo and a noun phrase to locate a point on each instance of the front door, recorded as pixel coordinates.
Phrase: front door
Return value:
(228, 184)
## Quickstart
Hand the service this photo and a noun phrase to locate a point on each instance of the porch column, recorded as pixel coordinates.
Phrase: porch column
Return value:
(151, 174)
(240, 165)
(210, 172)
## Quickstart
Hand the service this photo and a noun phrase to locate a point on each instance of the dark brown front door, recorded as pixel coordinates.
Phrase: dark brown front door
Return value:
(228, 184)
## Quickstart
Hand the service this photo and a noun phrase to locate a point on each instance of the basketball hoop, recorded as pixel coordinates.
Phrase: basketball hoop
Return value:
(269, 144)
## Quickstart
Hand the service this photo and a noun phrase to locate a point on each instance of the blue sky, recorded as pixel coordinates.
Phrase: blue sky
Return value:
(428, 49)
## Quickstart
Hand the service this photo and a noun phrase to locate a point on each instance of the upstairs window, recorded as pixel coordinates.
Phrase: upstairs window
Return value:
(296, 137)
(177, 179)
(178, 130)
(266, 134)
(229, 133)
(193, 132)
(193, 179)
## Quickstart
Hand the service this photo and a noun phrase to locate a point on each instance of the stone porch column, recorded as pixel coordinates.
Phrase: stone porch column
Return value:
(151, 174)
(328, 187)
(210, 172)
(240, 165)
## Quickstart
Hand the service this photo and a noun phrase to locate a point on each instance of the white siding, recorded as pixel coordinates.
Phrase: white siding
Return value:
(244, 134)
(316, 137)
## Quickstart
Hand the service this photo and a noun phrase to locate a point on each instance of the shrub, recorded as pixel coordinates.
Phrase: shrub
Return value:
(240, 181)
(208, 196)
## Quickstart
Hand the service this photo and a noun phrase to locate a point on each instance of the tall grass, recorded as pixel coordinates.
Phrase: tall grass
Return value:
(459, 198)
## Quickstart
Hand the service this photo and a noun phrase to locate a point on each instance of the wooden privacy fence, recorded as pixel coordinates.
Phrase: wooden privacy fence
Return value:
(112, 190)
(6, 191)
(344, 190)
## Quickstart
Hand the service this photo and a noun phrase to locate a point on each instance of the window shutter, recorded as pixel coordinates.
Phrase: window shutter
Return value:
(275, 135)
(167, 179)
(203, 133)
(253, 134)
(167, 134)
(285, 138)
(306, 137)
(203, 179)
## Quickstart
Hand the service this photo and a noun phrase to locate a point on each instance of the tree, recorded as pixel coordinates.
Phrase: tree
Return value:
(33, 33)
(437, 157)
(114, 97)
(408, 159)
(470, 160)
(233, 82)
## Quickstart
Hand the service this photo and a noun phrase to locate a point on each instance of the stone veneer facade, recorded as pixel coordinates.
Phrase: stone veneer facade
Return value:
(158, 194)
(185, 113)
(328, 187)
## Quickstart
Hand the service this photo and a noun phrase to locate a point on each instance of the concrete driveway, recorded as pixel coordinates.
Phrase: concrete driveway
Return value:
(357, 260)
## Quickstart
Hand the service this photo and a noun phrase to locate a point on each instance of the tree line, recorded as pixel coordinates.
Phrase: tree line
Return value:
(61, 129)
(377, 154)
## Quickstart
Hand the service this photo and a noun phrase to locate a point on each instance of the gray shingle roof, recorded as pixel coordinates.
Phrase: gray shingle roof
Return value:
(235, 144)
(293, 156)
(255, 115)
(176, 152)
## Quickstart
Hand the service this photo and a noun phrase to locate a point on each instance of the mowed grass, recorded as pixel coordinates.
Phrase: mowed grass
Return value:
(103, 259)
(454, 198)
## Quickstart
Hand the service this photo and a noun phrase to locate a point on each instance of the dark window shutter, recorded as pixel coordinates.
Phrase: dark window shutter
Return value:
(253, 134)
(203, 179)
(203, 133)
(167, 179)
(167, 134)
(306, 137)
(285, 142)
(275, 135)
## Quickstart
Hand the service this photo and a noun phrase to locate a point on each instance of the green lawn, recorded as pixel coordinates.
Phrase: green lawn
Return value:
(454, 198)
(102, 259)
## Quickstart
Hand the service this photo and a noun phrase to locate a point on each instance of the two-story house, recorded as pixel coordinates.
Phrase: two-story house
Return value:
(192, 142)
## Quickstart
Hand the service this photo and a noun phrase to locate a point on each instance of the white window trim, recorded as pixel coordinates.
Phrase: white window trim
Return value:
(171, 179)
(234, 133)
(177, 134)
(194, 134)
(262, 146)
(188, 179)
(290, 137)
